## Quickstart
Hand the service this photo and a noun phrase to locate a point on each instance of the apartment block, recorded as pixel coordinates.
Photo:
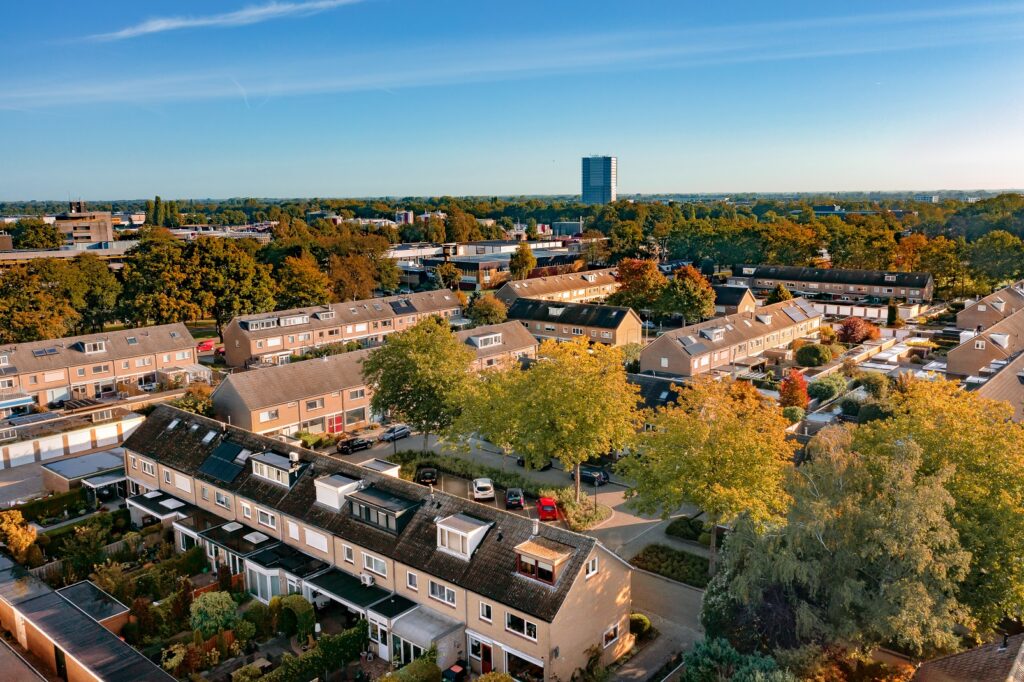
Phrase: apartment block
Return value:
(423, 567)
(986, 352)
(272, 338)
(836, 284)
(610, 325)
(47, 373)
(987, 311)
(734, 343)
(573, 287)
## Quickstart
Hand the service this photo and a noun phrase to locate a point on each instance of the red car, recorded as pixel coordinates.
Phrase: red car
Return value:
(206, 346)
(547, 509)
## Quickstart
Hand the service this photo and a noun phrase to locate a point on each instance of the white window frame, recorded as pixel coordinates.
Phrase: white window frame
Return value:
(526, 627)
(221, 500)
(412, 581)
(489, 618)
(134, 461)
(246, 510)
(370, 564)
(148, 468)
(347, 554)
(593, 566)
(614, 628)
(293, 530)
(167, 476)
(441, 592)
(271, 521)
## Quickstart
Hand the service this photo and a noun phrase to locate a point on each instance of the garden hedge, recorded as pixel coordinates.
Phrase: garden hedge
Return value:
(672, 563)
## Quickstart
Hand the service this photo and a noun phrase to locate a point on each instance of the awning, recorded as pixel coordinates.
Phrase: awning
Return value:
(104, 480)
(423, 627)
(16, 401)
(346, 588)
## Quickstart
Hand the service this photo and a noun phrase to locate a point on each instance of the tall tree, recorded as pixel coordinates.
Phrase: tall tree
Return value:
(230, 282)
(779, 294)
(34, 233)
(100, 293)
(866, 557)
(522, 262)
(594, 248)
(352, 277)
(640, 284)
(420, 376)
(688, 294)
(722, 448)
(30, 310)
(301, 282)
(158, 283)
(448, 275)
(793, 390)
(487, 309)
(997, 257)
(487, 409)
(576, 404)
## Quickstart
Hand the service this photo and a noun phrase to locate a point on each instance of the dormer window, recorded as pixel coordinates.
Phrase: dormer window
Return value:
(890, 278)
(94, 347)
(4, 361)
(541, 570)
(460, 534)
(274, 467)
(486, 340)
(540, 558)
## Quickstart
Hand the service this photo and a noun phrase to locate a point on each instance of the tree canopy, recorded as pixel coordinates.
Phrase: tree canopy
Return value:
(522, 262)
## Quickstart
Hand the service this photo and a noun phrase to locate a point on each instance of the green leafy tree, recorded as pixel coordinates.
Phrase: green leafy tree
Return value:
(213, 612)
(574, 404)
(866, 556)
(486, 409)
(158, 283)
(813, 355)
(420, 375)
(715, 660)
(352, 276)
(997, 257)
(522, 262)
(594, 248)
(197, 400)
(448, 275)
(301, 283)
(722, 447)
(100, 293)
(83, 550)
(34, 233)
(688, 294)
(487, 309)
(779, 294)
(640, 284)
(229, 280)
(30, 310)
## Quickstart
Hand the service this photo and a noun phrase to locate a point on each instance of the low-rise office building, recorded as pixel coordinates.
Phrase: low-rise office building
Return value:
(489, 270)
(82, 227)
(423, 567)
(982, 354)
(730, 344)
(987, 311)
(730, 299)
(572, 287)
(272, 338)
(843, 285)
(610, 325)
(499, 345)
(47, 373)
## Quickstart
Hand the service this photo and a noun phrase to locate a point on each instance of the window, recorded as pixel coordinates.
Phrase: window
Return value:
(143, 362)
(80, 371)
(576, 331)
(452, 541)
(520, 626)
(412, 581)
(979, 345)
(347, 552)
(293, 530)
(266, 519)
(4, 361)
(664, 362)
(355, 416)
(167, 476)
(541, 570)
(357, 394)
(485, 611)
(7, 383)
(204, 492)
(268, 416)
(99, 369)
(375, 565)
(183, 483)
(95, 347)
(442, 593)
(221, 500)
(474, 648)
(592, 566)
(316, 540)
(148, 468)
(246, 511)
(611, 635)
(317, 404)
(125, 364)
(134, 462)
(183, 355)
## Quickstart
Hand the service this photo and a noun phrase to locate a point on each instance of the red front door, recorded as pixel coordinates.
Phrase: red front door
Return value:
(485, 658)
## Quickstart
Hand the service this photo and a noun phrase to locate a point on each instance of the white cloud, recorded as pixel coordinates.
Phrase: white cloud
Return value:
(242, 17)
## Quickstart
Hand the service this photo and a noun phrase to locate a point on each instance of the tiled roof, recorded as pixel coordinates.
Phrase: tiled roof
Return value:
(514, 337)
(729, 295)
(581, 314)
(834, 275)
(655, 392)
(987, 663)
(999, 304)
(544, 286)
(296, 380)
(491, 572)
(1008, 384)
(53, 354)
(1007, 335)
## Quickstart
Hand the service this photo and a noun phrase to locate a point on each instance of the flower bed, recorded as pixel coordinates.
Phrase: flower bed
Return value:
(672, 563)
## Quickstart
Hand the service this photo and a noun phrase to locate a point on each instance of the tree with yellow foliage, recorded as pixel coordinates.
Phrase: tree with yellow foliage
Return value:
(16, 533)
(722, 448)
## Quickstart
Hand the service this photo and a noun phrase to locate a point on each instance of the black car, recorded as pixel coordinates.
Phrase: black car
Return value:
(350, 445)
(427, 476)
(522, 462)
(514, 498)
(591, 476)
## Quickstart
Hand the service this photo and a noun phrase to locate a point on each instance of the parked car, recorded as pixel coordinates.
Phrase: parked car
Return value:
(206, 346)
(591, 476)
(350, 445)
(547, 509)
(427, 476)
(395, 432)
(219, 352)
(483, 489)
(514, 498)
(522, 462)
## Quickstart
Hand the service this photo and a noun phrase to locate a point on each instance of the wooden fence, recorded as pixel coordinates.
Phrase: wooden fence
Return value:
(55, 569)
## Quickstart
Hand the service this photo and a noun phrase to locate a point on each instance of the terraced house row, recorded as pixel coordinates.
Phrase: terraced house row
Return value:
(272, 338)
(47, 373)
(424, 568)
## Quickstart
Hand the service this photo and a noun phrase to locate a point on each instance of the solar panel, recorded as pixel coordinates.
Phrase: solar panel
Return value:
(39, 352)
(33, 418)
(223, 463)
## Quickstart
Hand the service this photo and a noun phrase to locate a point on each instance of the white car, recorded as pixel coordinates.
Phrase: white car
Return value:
(483, 489)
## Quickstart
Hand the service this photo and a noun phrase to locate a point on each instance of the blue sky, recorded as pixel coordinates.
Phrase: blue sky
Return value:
(290, 98)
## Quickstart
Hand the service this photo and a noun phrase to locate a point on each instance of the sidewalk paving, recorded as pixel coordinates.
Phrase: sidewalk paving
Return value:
(673, 639)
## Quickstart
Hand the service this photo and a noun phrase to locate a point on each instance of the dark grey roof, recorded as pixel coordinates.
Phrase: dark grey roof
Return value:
(95, 602)
(161, 505)
(87, 465)
(655, 392)
(491, 572)
(581, 314)
(290, 559)
(239, 538)
(917, 280)
(348, 587)
(393, 606)
(726, 294)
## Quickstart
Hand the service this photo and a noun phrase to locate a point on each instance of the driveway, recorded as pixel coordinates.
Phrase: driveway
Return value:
(21, 483)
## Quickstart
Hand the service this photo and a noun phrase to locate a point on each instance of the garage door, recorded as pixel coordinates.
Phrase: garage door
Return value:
(51, 447)
(106, 435)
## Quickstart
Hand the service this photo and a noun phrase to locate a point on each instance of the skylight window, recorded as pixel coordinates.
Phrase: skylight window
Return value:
(209, 436)
(232, 527)
(174, 422)
(132, 341)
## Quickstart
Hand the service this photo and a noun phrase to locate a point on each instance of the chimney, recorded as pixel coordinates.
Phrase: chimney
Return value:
(293, 457)
(1006, 642)
(536, 527)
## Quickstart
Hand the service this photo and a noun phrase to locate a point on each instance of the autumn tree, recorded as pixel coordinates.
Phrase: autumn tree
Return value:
(301, 283)
(352, 277)
(522, 262)
(99, 293)
(487, 309)
(722, 447)
(977, 442)
(197, 400)
(420, 375)
(574, 404)
(487, 409)
(594, 248)
(34, 233)
(779, 294)
(857, 330)
(793, 390)
(640, 284)
(157, 282)
(229, 282)
(688, 294)
(30, 310)
(866, 556)
(212, 612)
(16, 533)
(448, 275)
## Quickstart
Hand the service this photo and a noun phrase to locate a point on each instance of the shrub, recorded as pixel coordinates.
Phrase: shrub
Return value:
(495, 677)
(54, 505)
(827, 335)
(877, 385)
(686, 528)
(259, 615)
(579, 516)
(793, 414)
(857, 330)
(870, 412)
(212, 612)
(671, 563)
(419, 670)
(639, 625)
(827, 387)
(814, 355)
(849, 406)
(793, 390)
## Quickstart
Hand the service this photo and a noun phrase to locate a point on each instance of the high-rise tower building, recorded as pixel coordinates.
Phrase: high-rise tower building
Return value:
(600, 179)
